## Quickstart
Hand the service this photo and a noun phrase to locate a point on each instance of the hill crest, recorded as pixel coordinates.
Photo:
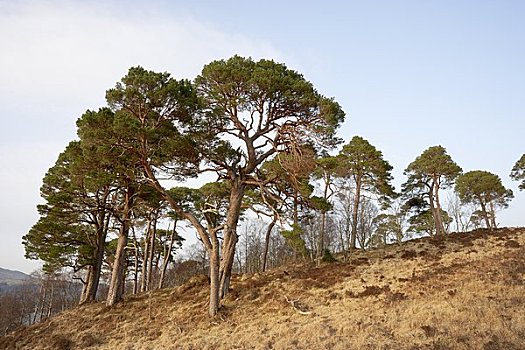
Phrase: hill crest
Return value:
(12, 276)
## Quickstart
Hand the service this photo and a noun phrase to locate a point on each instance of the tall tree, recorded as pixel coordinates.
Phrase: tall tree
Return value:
(326, 172)
(518, 172)
(253, 111)
(285, 189)
(169, 241)
(366, 225)
(389, 228)
(364, 164)
(101, 133)
(150, 207)
(74, 218)
(432, 171)
(159, 123)
(57, 236)
(263, 108)
(486, 190)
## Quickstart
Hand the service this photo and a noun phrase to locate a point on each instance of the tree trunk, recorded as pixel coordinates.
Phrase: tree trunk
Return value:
(52, 296)
(42, 307)
(355, 213)
(96, 269)
(245, 252)
(43, 299)
(295, 208)
(124, 274)
(116, 288)
(485, 214)
(64, 297)
(320, 244)
(435, 209)
(492, 216)
(343, 248)
(230, 237)
(323, 217)
(209, 239)
(489, 214)
(85, 284)
(89, 294)
(151, 253)
(440, 228)
(145, 260)
(91, 285)
(214, 280)
(295, 217)
(167, 256)
(135, 266)
(267, 242)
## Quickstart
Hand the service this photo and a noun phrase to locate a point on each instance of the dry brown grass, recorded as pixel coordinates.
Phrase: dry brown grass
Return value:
(466, 291)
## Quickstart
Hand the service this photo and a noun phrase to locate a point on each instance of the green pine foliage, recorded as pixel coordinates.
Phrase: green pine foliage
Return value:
(518, 172)
(429, 173)
(486, 190)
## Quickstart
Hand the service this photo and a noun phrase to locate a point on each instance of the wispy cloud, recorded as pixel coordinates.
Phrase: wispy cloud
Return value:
(59, 57)
(52, 48)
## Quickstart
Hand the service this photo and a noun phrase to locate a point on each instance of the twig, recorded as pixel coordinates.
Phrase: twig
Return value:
(295, 306)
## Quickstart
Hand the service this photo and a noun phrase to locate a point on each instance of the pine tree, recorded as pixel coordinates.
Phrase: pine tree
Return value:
(518, 172)
(432, 171)
(486, 190)
(364, 164)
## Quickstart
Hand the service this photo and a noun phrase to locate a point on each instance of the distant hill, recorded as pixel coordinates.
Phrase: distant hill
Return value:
(461, 291)
(12, 277)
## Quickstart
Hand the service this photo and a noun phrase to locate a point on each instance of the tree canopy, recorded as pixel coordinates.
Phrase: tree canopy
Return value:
(237, 114)
(430, 172)
(362, 162)
(486, 190)
(269, 139)
(518, 172)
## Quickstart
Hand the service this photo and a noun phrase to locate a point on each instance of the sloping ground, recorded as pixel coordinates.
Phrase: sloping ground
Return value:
(466, 291)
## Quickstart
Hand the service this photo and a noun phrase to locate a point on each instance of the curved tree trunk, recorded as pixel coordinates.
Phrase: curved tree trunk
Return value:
(116, 288)
(226, 266)
(485, 214)
(92, 279)
(267, 242)
(93, 276)
(435, 209)
(85, 286)
(440, 228)
(208, 238)
(230, 237)
(167, 256)
(493, 216)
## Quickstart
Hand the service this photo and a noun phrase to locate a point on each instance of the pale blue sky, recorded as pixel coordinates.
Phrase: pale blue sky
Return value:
(409, 74)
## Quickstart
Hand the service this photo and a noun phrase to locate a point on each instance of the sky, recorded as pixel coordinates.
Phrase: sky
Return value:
(408, 74)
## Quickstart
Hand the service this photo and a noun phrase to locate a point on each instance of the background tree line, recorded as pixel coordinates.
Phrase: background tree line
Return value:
(36, 299)
(114, 209)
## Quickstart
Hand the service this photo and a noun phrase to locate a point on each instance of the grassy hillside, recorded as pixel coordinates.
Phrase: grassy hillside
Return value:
(463, 292)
